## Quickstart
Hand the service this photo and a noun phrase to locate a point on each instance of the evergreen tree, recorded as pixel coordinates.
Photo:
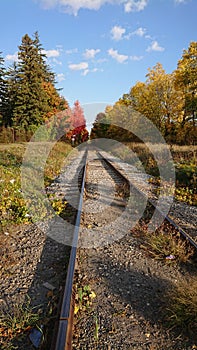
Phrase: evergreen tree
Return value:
(28, 96)
(10, 95)
(31, 99)
(46, 73)
(3, 88)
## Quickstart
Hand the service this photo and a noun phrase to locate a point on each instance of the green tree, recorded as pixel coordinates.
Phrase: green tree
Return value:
(100, 126)
(31, 100)
(10, 95)
(45, 71)
(3, 89)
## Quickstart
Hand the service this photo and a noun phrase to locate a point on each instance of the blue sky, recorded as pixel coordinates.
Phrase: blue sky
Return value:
(100, 48)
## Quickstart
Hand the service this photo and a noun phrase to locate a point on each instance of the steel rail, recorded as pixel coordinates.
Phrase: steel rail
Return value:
(64, 333)
(167, 217)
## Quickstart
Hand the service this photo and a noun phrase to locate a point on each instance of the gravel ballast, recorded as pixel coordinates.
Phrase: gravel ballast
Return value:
(131, 288)
(129, 285)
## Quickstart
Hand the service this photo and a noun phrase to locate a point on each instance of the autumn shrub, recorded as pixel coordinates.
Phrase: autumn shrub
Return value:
(12, 204)
(13, 208)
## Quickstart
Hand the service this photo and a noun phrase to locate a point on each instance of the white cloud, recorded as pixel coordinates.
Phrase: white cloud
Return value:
(139, 32)
(60, 77)
(13, 57)
(90, 53)
(148, 37)
(135, 5)
(51, 53)
(79, 66)
(85, 72)
(117, 32)
(94, 70)
(118, 57)
(136, 58)
(73, 6)
(155, 47)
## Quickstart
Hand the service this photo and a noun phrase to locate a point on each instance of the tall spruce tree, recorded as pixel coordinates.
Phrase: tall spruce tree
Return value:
(28, 96)
(31, 100)
(10, 95)
(3, 89)
(46, 73)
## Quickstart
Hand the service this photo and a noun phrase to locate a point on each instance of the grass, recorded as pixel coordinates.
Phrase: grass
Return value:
(182, 307)
(164, 244)
(96, 331)
(180, 300)
(16, 323)
(56, 159)
(13, 209)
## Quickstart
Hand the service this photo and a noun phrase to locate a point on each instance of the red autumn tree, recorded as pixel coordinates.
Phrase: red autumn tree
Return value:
(78, 123)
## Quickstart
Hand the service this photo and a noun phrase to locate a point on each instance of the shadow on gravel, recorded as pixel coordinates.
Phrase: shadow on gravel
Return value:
(142, 291)
(48, 284)
(146, 295)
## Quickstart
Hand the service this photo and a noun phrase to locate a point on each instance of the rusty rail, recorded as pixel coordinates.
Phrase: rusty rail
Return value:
(64, 333)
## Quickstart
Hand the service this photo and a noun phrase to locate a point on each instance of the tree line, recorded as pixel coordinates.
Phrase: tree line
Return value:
(167, 100)
(29, 98)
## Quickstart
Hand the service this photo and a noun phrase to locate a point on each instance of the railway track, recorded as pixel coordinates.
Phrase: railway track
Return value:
(105, 222)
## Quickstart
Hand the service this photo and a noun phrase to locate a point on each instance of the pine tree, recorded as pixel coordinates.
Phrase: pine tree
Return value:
(31, 100)
(46, 73)
(3, 88)
(37, 98)
(10, 95)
